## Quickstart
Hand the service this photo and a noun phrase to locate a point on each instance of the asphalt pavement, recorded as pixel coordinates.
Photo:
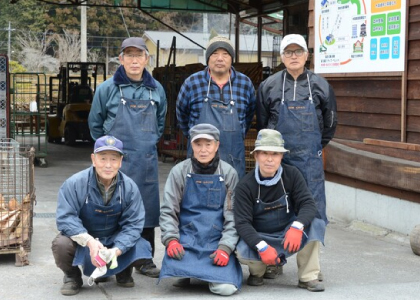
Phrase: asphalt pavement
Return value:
(359, 261)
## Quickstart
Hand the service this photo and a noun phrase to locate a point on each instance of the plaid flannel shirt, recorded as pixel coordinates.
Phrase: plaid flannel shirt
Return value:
(194, 90)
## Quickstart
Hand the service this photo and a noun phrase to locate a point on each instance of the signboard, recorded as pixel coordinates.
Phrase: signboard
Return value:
(359, 36)
(4, 112)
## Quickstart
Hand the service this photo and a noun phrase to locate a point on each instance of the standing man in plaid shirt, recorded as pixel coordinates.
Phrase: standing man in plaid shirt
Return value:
(221, 96)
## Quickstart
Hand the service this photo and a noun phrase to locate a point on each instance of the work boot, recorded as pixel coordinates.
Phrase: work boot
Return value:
(124, 278)
(72, 282)
(313, 285)
(147, 267)
(255, 280)
(271, 272)
(182, 282)
(101, 280)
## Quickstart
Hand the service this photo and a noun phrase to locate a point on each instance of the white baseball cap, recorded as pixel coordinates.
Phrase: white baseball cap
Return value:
(293, 39)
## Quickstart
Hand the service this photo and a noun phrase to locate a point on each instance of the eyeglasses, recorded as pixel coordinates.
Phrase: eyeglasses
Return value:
(134, 56)
(297, 52)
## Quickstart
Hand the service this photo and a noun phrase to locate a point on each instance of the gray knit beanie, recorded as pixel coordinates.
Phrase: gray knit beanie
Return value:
(219, 42)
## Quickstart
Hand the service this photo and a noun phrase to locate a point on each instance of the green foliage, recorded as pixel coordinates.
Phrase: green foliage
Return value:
(15, 67)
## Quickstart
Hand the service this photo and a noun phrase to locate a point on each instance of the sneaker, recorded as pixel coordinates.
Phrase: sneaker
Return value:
(320, 276)
(182, 282)
(313, 285)
(71, 285)
(124, 278)
(255, 280)
(273, 271)
(148, 268)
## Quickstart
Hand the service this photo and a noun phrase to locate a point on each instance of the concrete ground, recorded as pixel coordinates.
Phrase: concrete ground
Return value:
(358, 260)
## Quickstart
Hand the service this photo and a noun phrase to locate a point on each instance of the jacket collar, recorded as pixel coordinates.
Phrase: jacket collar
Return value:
(121, 78)
(300, 77)
(232, 73)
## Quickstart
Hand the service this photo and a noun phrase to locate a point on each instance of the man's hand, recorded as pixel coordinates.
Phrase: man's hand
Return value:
(269, 255)
(94, 246)
(221, 258)
(175, 250)
(293, 239)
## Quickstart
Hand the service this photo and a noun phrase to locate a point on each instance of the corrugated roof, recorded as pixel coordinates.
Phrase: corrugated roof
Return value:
(246, 42)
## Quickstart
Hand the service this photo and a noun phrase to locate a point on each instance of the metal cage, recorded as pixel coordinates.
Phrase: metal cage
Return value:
(17, 198)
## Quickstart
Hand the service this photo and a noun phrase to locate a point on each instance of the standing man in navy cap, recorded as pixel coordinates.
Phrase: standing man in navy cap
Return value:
(221, 96)
(132, 106)
(99, 210)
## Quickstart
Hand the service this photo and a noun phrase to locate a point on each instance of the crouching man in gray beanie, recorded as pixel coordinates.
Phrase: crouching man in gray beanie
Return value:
(221, 96)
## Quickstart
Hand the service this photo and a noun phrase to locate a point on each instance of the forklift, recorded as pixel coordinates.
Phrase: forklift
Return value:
(71, 95)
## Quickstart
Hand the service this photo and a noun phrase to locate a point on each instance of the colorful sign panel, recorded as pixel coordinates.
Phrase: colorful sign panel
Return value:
(359, 36)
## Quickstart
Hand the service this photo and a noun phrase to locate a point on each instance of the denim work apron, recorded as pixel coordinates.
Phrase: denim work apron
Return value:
(271, 221)
(136, 126)
(101, 222)
(201, 224)
(298, 123)
(224, 116)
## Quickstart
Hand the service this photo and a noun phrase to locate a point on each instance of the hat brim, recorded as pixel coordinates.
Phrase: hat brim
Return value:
(270, 149)
(138, 47)
(108, 148)
(203, 136)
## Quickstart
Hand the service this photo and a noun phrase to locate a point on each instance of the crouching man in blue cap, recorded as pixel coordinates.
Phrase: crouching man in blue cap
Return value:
(100, 216)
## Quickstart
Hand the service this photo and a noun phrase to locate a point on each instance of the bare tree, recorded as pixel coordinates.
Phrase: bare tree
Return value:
(68, 47)
(33, 52)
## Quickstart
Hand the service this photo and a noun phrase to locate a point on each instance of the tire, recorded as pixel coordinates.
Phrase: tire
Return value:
(69, 136)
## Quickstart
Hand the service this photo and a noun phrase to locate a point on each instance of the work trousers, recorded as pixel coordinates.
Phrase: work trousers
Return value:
(149, 235)
(64, 249)
(307, 262)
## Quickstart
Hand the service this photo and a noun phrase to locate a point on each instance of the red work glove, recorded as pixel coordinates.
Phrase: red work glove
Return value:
(293, 239)
(221, 258)
(269, 255)
(175, 250)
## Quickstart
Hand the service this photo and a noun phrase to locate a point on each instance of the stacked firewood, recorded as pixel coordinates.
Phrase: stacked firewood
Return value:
(15, 217)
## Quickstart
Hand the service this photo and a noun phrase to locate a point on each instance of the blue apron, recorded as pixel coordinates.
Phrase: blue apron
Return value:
(271, 221)
(298, 123)
(224, 116)
(137, 127)
(201, 224)
(101, 222)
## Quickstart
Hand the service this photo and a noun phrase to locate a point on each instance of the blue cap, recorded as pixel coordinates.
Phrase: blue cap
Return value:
(108, 142)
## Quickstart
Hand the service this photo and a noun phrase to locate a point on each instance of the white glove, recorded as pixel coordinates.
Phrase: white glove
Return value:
(105, 255)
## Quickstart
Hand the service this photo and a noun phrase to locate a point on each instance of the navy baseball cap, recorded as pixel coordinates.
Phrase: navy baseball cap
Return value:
(108, 142)
(135, 42)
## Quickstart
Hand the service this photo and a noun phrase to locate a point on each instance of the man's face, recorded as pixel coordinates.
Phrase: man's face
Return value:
(134, 61)
(107, 163)
(294, 63)
(268, 161)
(204, 150)
(220, 62)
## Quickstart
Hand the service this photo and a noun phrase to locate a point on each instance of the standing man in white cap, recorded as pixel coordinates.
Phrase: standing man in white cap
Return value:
(302, 106)
(221, 96)
(99, 209)
(196, 218)
(132, 106)
(274, 214)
